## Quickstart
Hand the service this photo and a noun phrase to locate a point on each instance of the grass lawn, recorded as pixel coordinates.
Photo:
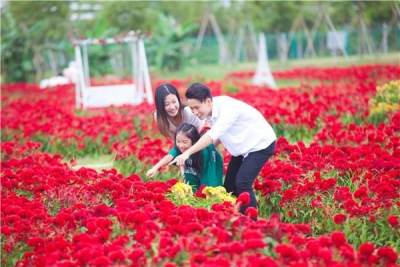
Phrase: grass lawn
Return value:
(215, 71)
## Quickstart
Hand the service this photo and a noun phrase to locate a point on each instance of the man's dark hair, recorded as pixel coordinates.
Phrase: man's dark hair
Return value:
(199, 92)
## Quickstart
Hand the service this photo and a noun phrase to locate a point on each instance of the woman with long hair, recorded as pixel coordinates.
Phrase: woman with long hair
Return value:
(170, 112)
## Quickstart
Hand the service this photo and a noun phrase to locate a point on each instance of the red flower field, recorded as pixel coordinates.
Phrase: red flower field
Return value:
(330, 195)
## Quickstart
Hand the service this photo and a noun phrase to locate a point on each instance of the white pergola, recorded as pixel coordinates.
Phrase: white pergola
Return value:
(88, 96)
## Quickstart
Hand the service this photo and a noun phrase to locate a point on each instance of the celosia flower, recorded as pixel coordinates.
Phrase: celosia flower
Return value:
(101, 261)
(254, 243)
(388, 254)
(182, 190)
(116, 255)
(286, 252)
(338, 238)
(339, 218)
(228, 198)
(372, 218)
(251, 212)
(199, 193)
(366, 249)
(213, 192)
(393, 221)
(243, 199)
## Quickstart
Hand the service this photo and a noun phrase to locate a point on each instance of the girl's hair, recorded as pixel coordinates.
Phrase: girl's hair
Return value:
(162, 91)
(191, 132)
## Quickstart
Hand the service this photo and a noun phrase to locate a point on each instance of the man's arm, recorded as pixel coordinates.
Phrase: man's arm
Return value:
(203, 142)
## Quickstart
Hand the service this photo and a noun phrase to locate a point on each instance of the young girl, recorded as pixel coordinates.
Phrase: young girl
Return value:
(170, 112)
(202, 168)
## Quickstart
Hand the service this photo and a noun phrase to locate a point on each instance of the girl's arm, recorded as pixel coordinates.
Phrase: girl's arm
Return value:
(164, 161)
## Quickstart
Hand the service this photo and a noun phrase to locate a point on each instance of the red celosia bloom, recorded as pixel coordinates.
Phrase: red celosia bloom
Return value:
(339, 218)
(199, 192)
(5, 230)
(338, 238)
(313, 247)
(366, 249)
(316, 202)
(243, 199)
(102, 261)
(36, 242)
(393, 221)
(286, 252)
(251, 234)
(326, 256)
(116, 255)
(197, 259)
(347, 253)
(372, 218)
(388, 254)
(361, 192)
(235, 247)
(202, 214)
(251, 212)
(342, 194)
(135, 254)
(254, 243)
(303, 228)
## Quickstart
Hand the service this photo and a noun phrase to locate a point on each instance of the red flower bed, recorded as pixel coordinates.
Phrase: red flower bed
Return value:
(329, 197)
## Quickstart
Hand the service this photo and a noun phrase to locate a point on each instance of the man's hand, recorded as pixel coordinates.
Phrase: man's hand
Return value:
(180, 160)
(150, 173)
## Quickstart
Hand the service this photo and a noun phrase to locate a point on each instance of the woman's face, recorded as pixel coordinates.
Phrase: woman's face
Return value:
(171, 105)
(183, 142)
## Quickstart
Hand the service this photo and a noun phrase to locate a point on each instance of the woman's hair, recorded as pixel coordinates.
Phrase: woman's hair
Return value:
(162, 91)
(191, 132)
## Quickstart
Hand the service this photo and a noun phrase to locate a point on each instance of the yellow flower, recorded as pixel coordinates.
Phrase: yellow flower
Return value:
(211, 192)
(217, 193)
(182, 190)
(228, 198)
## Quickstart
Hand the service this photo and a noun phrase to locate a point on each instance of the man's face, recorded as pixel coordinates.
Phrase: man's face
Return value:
(200, 109)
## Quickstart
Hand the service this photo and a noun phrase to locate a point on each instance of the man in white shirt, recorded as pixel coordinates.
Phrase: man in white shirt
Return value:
(243, 131)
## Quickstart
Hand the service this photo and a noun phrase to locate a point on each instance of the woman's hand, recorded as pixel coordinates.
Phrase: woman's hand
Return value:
(150, 173)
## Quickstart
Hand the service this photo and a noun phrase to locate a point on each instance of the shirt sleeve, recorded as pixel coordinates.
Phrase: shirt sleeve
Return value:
(227, 117)
(189, 117)
(174, 152)
(209, 172)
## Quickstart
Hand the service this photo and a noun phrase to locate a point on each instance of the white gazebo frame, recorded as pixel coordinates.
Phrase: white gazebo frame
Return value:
(88, 96)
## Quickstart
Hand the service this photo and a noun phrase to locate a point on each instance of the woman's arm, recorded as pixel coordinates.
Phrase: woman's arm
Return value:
(164, 161)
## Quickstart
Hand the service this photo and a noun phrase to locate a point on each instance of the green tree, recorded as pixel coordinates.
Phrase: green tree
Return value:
(29, 13)
(170, 43)
(130, 15)
(16, 49)
(26, 25)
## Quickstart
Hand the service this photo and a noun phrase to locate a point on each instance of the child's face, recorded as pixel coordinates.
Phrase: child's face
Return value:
(183, 142)
(171, 105)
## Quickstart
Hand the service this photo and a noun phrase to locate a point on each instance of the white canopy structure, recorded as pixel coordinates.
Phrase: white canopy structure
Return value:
(263, 75)
(88, 96)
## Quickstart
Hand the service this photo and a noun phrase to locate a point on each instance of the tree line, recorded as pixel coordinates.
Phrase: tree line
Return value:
(28, 26)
